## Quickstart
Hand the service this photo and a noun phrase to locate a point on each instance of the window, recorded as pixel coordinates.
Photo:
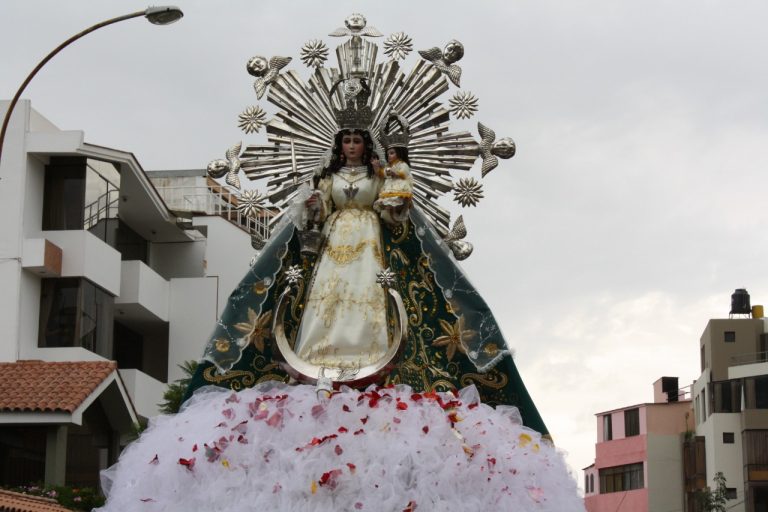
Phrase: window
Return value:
(79, 193)
(726, 396)
(729, 336)
(592, 483)
(632, 422)
(729, 438)
(607, 428)
(756, 392)
(75, 313)
(730, 493)
(621, 478)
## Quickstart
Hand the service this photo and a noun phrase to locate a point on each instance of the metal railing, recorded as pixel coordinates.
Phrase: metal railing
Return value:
(104, 207)
(749, 358)
(219, 201)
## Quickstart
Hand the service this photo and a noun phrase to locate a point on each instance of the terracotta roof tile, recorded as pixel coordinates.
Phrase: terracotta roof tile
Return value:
(16, 502)
(40, 386)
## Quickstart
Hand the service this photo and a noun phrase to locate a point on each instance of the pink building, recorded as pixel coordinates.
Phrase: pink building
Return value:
(639, 454)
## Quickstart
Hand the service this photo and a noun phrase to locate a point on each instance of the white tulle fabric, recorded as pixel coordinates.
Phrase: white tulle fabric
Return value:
(276, 447)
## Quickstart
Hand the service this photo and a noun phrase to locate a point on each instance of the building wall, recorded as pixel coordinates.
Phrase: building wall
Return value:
(227, 255)
(721, 457)
(718, 353)
(669, 418)
(628, 501)
(193, 314)
(664, 472)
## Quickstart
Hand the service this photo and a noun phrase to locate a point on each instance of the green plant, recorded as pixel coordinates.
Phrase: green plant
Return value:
(75, 498)
(175, 390)
(714, 500)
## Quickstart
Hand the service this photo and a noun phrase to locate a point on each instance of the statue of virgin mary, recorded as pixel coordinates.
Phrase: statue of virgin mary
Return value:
(357, 368)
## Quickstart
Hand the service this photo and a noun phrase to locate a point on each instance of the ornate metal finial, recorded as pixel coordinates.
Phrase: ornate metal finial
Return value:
(314, 53)
(356, 25)
(266, 72)
(293, 274)
(489, 150)
(460, 248)
(230, 167)
(463, 104)
(252, 119)
(386, 278)
(467, 192)
(249, 202)
(444, 59)
(397, 46)
(390, 139)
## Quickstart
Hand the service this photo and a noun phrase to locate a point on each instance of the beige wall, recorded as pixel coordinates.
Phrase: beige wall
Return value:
(718, 353)
(664, 472)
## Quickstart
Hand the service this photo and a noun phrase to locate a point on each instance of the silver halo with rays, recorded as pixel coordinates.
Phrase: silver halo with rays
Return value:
(300, 135)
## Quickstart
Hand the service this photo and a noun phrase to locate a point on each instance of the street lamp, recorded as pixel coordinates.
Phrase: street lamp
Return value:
(163, 15)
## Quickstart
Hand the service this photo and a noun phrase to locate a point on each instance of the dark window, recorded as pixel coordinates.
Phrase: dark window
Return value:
(118, 235)
(607, 428)
(621, 478)
(592, 483)
(729, 336)
(756, 392)
(76, 313)
(632, 422)
(129, 347)
(726, 396)
(64, 193)
(22, 454)
(703, 362)
(730, 493)
(79, 193)
(729, 438)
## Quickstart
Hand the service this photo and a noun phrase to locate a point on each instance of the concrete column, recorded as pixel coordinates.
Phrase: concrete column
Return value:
(56, 455)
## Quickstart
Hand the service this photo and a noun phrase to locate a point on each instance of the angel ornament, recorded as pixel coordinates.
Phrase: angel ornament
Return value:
(396, 195)
(444, 60)
(266, 72)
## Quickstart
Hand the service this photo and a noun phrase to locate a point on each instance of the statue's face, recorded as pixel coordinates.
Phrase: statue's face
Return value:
(391, 155)
(355, 22)
(504, 148)
(353, 147)
(258, 65)
(453, 51)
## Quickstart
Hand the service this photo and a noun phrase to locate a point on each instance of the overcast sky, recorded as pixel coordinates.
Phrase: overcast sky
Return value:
(633, 209)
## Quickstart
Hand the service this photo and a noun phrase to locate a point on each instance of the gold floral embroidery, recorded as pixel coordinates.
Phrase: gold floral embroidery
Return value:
(454, 337)
(345, 254)
(222, 345)
(256, 328)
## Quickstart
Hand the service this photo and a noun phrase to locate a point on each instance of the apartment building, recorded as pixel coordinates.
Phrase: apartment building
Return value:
(105, 290)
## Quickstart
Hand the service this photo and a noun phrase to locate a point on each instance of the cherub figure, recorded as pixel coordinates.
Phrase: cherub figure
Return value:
(265, 71)
(444, 60)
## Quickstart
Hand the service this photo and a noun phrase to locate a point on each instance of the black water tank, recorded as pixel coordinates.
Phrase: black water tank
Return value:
(740, 302)
(669, 386)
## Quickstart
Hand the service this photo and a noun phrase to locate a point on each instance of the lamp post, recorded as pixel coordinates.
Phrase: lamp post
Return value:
(163, 15)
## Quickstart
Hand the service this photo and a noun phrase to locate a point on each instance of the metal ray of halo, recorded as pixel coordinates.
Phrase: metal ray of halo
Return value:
(306, 120)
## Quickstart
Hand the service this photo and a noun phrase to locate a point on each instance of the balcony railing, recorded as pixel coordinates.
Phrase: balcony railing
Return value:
(104, 207)
(749, 358)
(219, 201)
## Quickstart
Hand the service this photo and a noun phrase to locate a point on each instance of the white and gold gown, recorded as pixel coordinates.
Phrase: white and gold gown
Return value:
(344, 323)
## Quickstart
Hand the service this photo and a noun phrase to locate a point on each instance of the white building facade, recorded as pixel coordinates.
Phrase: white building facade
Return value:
(95, 266)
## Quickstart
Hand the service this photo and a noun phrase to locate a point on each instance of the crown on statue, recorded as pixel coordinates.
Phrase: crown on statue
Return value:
(357, 114)
(352, 118)
(395, 140)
